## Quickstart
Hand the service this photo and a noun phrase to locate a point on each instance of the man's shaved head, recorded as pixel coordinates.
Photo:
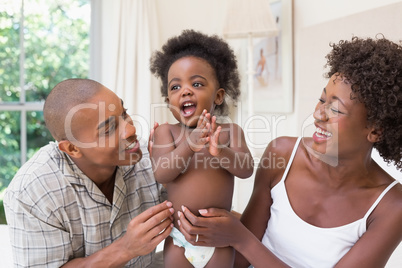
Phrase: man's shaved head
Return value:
(63, 97)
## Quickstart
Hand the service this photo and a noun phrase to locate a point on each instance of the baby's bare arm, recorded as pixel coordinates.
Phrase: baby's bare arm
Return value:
(166, 157)
(168, 161)
(170, 157)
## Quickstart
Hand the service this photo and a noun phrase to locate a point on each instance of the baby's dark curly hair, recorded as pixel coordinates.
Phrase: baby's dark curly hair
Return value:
(373, 67)
(213, 49)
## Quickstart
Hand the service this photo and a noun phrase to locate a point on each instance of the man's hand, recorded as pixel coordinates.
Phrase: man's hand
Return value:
(143, 235)
(148, 229)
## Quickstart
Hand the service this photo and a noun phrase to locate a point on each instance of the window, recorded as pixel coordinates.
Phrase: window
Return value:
(42, 42)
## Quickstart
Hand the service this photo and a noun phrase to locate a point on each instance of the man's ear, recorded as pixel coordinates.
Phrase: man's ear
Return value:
(374, 135)
(219, 96)
(69, 148)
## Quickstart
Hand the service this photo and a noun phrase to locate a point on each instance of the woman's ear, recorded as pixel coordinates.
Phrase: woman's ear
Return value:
(374, 135)
(69, 148)
(219, 96)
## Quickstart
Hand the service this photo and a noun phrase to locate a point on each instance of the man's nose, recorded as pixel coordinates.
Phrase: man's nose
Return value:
(129, 129)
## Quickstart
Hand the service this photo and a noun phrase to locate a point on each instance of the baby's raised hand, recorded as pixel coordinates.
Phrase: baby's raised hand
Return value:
(214, 148)
(200, 135)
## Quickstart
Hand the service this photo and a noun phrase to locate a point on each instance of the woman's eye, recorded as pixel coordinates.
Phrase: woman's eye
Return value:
(336, 111)
(321, 100)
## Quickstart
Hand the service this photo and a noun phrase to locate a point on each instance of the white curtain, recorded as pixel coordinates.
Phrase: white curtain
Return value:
(123, 36)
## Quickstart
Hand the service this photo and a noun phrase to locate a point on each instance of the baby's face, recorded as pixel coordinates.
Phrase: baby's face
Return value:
(192, 87)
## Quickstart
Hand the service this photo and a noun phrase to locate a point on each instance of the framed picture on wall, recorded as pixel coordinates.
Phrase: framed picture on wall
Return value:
(263, 42)
(273, 64)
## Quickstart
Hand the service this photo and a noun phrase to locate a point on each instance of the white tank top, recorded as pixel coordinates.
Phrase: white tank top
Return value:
(300, 244)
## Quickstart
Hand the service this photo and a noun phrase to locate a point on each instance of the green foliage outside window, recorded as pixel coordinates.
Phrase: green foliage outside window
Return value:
(56, 45)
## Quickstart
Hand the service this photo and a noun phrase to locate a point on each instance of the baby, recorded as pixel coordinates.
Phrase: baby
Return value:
(198, 158)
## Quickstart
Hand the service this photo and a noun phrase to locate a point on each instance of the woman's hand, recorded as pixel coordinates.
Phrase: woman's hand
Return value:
(220, 228)
(215, 227)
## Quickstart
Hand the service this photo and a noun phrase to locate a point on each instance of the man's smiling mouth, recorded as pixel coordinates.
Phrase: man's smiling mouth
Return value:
(132, 147)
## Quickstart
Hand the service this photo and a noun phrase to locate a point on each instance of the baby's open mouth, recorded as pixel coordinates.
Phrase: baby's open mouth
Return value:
(188, 108)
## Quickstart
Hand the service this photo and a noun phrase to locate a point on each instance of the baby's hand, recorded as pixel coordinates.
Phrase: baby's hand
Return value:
(200, 135)
(214, 148)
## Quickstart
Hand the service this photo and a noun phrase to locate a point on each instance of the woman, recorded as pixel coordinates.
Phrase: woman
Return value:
(332, 205)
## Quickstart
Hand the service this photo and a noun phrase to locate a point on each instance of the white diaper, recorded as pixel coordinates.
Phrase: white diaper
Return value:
(198, 256)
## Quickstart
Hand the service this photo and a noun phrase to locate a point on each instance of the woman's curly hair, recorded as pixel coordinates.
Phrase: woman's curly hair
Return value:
(373, 67)
(213, 49)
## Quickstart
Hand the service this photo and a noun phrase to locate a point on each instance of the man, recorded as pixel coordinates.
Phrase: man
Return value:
(90, 198)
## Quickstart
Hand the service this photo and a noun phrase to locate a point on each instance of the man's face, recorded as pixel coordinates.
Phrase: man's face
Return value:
(104, 132)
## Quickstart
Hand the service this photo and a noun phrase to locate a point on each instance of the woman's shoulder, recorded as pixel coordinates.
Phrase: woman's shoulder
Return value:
(385, 180)
(275, 159)
(393, 198)
(230, 126)
(397, 196)
(281, 146)
(388, 213)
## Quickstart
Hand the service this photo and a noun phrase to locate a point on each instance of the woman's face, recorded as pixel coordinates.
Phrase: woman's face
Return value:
(341, 122)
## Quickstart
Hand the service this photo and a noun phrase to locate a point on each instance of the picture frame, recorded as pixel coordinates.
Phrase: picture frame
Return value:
(273, 78)
(273, 89)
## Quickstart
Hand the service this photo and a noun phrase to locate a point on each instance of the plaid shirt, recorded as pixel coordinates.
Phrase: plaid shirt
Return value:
(56, 213)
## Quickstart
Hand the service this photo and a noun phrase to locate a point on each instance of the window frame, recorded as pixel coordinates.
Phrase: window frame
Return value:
(23, 106)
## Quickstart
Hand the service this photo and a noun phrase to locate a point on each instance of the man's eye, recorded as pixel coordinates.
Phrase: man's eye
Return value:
(125, 114)
(109, 130)
(110, 126)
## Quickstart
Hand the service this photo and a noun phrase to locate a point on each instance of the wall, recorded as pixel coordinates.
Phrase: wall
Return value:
(316, 23)
(313, 34)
